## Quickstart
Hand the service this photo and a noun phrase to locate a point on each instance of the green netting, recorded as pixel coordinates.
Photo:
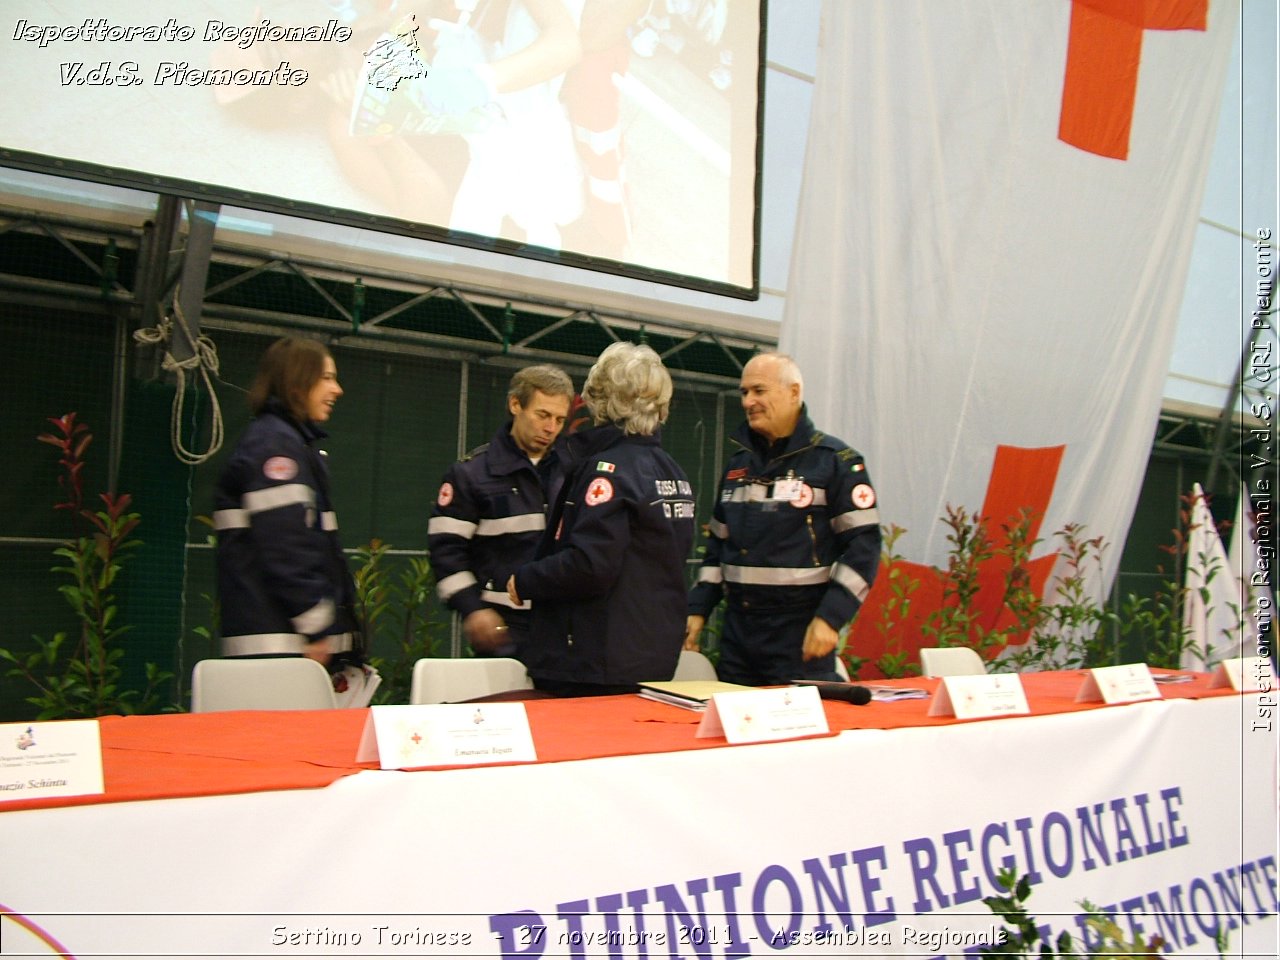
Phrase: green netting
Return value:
(411, 377)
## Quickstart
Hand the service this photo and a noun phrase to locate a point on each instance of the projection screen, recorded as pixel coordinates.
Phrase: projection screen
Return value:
(618, 135)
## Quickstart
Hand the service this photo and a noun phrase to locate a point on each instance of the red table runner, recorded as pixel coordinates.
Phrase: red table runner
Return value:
(205, 754)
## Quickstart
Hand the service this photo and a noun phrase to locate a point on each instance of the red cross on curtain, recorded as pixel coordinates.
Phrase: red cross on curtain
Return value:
(1103, 53)
(1021, 479)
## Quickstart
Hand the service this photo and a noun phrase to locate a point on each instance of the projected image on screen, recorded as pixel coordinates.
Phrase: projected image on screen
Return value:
(620, 134)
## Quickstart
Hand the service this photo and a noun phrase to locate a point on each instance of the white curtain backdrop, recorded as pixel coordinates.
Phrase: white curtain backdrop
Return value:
(963, 278)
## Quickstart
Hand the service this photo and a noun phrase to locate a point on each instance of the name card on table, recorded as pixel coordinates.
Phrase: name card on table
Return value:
(50, 758)
(1244, 675)
(446, 734)
(756, 716)
(984, 695)
(1127, 683)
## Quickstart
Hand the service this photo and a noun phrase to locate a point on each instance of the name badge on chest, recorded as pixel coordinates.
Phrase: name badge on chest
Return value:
(787, 489)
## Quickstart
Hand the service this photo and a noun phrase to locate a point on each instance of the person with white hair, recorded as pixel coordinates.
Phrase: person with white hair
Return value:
(793, 543)
(607, 583)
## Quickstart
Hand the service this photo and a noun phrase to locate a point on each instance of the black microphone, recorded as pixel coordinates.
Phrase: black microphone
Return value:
(848, 692)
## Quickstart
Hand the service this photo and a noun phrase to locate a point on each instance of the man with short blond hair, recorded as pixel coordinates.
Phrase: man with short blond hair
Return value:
(492, 507)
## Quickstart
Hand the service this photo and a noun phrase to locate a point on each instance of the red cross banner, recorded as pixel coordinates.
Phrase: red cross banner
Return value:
(995, 226)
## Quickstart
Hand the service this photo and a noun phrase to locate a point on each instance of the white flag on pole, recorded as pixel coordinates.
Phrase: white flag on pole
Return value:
(1211, 610)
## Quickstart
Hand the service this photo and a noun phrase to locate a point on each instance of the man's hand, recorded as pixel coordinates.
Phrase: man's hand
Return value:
(511, 590)
(319, 650)
(820, 639)
(485, 630)
(692, 629)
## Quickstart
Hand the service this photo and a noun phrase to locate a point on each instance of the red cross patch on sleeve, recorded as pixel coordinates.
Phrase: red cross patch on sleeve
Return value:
(280, 469)
(599, 491)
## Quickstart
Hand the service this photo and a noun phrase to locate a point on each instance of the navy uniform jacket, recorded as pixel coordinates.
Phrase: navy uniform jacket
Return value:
(819, 547)
(488, 518)
(283, 580)
(608, 587)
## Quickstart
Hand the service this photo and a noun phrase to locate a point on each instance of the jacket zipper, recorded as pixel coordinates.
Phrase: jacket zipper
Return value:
(813, 538)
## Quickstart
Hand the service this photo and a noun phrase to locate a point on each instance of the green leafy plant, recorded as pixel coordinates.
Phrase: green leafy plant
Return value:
(84, 678)
(373, 586)
(1068, 630)
(957, 622)
(954, 623)
(1026, 938)
(1156, 623)
(1073, 627)
(407, 605)
(894, 662)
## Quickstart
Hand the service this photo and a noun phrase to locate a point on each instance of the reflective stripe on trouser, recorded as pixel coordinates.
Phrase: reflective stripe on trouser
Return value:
(261, 644)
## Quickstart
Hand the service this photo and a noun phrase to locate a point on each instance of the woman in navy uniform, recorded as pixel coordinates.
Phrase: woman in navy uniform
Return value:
(283, 582)
(608, 584)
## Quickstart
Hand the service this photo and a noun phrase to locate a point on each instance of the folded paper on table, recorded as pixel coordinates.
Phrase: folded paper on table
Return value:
(688, 694)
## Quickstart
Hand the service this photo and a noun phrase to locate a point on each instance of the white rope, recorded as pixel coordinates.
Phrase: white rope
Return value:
(205, 360)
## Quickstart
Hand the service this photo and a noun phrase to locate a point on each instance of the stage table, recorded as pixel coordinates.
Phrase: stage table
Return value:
(256, 834)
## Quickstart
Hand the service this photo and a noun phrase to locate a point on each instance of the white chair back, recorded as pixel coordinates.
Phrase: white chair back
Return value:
(273, 683)
(447, 680)
(693, 665)
(951, 662)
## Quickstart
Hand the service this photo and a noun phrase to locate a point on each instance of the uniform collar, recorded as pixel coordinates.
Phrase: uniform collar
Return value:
(802, 436)
(592, 440)
(506, 457)
(310, 431)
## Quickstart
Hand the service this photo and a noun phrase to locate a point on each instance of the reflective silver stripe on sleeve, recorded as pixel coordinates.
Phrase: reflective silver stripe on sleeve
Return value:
(286, 495)
(316, 619)
(230, 519)
(452, 526)
(710, 575)
(260, 643)
(851, 580)
(503, 600)
(718, 530)
(854, 519)
(776, 576)
(328, 520)
(521, 523)
(455, 582)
